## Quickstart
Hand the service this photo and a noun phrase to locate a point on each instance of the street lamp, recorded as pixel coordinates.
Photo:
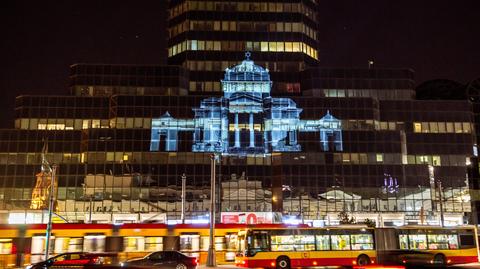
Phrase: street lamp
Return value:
(90, 196)
(211, 260)
(52, 170)
(184, 185)
(433, 186)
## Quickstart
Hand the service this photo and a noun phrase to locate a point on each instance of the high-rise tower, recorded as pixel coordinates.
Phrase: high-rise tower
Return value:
(208, 36)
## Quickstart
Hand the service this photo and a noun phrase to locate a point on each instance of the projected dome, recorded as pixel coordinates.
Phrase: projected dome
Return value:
(247, 71)
(246, 120)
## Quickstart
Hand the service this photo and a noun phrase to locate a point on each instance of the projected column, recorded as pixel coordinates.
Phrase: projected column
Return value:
(252, 134)
(237, 132)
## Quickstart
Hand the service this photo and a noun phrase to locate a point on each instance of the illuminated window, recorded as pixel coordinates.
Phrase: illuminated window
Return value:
(379, 157)
(296, 47)
(436, 160)
(264, 46)
(417, 127)
(194, 45)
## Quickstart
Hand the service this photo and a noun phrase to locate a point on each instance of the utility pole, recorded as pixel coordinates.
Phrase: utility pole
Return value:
(211, 259)
(184, 185)
(50, 211)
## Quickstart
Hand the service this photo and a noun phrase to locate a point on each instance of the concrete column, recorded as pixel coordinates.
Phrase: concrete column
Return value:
(252, 134)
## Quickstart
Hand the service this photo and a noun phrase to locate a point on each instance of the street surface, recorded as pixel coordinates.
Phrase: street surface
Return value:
(470, 265)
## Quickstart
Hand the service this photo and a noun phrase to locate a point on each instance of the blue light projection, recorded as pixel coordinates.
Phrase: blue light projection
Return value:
(246, 120)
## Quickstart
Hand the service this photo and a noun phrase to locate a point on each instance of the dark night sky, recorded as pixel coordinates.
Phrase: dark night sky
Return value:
(40, 39)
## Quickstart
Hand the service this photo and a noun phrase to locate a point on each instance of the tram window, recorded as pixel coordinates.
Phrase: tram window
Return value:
(340, 242)
(75, 244)
(94, 243)
(61, 244)
(190, 242)
(134, 243)
(418, 241)
(5, 246)
(362, 241)
(231, 241)
(323, 242)
(153, 243)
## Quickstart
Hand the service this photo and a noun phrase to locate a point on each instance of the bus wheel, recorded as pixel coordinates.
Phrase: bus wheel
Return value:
(283, 263)
(363, 260)
(439, 259)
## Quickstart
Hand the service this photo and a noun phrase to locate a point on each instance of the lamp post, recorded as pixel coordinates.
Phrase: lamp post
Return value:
(211, 260)
(433, 188)
(184, 185)
(50, 210)
(440, 197)
(90, 197)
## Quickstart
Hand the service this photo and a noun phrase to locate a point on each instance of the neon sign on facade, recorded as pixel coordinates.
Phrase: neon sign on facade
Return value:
(246, 120)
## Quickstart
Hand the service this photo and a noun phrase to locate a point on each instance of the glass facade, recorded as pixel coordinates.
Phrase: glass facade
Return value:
(296, 142)
(121, 157)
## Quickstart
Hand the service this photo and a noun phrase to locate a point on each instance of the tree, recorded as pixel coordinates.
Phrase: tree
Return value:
(345, 218)
(370, 223)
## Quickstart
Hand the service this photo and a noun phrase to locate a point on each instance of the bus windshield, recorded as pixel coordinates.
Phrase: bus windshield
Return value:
(258, 241)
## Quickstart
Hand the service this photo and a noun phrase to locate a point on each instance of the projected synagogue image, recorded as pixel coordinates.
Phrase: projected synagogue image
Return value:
(246, 120)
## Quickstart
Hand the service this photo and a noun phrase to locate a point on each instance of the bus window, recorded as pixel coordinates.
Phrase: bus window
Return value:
(418, 241)
(340, 242)
(467, 241)
(323, 242)
(304, 242)
(362, 241)
(282, 242)
(442, 241)
(403, 240)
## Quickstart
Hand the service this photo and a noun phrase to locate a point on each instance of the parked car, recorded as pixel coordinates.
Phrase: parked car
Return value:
(408, 258)
(74, 259)
(163, 259)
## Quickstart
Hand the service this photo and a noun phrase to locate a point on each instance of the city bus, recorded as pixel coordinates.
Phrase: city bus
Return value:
(352, 245)
(450, 245)
(305, 247)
